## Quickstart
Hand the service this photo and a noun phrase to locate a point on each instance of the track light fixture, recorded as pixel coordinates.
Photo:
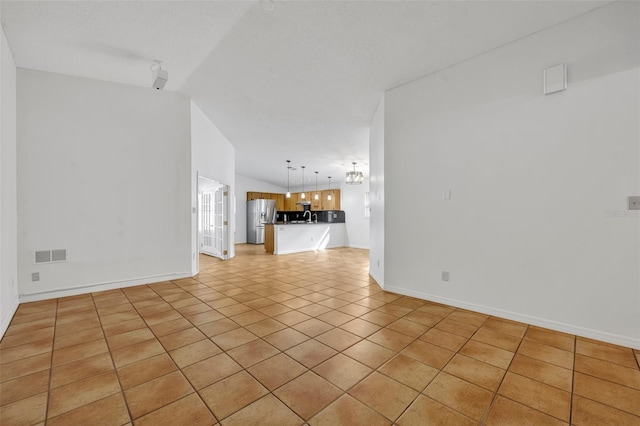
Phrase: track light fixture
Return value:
(159, 76)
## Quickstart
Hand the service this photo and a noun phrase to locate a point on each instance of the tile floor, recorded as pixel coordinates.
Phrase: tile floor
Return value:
(299, 339)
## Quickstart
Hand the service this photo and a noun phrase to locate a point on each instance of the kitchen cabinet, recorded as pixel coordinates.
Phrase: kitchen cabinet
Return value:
(316, 204)
(279, 201)
(334, 203)
(269, 239)
(253, 195)
(289, 204)
(299, 199)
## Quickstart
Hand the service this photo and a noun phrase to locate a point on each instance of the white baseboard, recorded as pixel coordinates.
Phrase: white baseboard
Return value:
(377, 279)
(91, 288)
(603, 336)
(7, 316)
(358, 247)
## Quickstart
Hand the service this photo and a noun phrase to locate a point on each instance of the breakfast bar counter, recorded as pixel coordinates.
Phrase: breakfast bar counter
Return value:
(284, 238)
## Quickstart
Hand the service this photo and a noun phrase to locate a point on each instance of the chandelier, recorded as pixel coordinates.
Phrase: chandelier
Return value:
(353, 177)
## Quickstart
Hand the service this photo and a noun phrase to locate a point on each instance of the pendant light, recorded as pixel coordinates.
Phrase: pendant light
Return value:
(288, 169)
(329, 196)
(302, 196)
(354, 178)
(315, 197)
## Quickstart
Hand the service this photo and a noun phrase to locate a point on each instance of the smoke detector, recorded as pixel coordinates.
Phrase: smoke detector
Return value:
(160, 76)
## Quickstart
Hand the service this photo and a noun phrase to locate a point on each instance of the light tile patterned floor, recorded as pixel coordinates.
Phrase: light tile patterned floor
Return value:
(295, 339)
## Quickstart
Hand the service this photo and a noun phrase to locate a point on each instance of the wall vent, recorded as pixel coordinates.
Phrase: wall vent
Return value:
(59, 255)
(50, 256)
(43, 256)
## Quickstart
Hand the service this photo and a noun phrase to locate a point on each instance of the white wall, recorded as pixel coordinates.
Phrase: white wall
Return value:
(103, 171)
(246, 184)
(212, 157)
(357, 225)
(527, 233)
(376, 195)
(8, 203)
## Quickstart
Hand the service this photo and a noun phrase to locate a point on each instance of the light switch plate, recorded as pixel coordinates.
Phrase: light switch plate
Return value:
(634, 203)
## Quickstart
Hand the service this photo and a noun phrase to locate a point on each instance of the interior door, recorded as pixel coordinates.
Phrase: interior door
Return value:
(213, 222)
(219, 223)
(207, 223)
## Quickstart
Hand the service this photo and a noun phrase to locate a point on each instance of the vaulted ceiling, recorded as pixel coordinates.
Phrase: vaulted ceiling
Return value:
(282, 80)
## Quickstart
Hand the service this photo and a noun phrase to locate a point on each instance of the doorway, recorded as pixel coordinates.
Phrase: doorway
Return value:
(213, 218)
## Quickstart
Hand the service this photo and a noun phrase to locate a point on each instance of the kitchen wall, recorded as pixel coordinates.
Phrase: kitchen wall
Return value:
(376, 195)
(104, 171)
(536, 229)
(357, 225)
(8, 202)
(212, 157)
(246, 184)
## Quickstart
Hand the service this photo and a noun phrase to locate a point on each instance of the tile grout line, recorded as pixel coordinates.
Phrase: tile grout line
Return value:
(496, 393)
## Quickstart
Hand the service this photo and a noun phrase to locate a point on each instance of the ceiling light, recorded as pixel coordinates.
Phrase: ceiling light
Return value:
(315, 197)
(302, 196)
(329, 196)
(288, 169)
(353, 177)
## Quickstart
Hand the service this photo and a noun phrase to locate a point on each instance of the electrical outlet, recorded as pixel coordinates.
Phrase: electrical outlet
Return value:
(445, 275)
(378, 263)
(634, 203)
(35, 276)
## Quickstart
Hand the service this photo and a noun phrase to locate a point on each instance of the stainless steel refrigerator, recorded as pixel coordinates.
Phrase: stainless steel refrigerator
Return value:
(259, 213)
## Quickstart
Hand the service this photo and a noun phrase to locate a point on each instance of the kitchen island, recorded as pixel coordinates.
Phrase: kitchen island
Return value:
(284, 238)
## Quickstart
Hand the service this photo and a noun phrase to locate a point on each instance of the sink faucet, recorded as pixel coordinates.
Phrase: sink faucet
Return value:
(315, 216)
(305, 215)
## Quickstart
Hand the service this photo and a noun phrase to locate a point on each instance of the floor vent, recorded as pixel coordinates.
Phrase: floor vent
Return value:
(50, 256)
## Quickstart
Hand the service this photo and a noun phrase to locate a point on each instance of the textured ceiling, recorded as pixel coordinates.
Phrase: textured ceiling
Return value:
(300, 81)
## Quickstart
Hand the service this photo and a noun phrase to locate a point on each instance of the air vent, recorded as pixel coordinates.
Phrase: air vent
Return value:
(43, 256)
(59, 255)
(50, 256)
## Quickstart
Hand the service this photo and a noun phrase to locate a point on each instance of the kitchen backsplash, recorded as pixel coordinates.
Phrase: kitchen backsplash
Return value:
(324, 216)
